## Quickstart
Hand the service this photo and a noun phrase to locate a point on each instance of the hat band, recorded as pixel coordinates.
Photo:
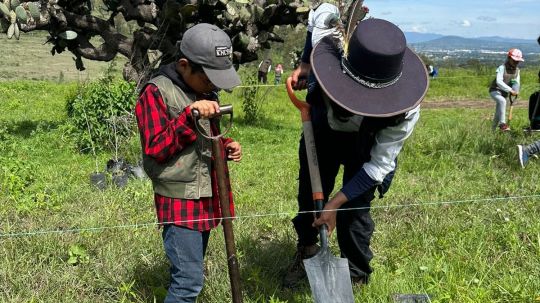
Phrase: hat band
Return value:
(364, 80)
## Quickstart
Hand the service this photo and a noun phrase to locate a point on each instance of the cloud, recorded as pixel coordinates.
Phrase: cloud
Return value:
(486, 18)
(386, 13)
(466, 23)
(418, 29)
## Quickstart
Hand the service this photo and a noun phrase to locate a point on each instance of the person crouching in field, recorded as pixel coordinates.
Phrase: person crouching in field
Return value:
(364, 105)
(527, 151)
(177, 160)
(506, 82)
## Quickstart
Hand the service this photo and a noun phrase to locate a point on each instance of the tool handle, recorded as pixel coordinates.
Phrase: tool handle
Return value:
(303, 106)
(311, 152)
(323, 230)
(225, 109)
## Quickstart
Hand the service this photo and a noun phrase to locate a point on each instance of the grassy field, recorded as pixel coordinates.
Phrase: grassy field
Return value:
(460, 222)
(30, 58)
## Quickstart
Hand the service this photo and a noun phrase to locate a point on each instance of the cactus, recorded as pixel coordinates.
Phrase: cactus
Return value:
(16, 31)
(68, 35)
(34, 10)
(21, 14)
(4, 9)
(14, 4)
(231, 8)
(11, 30)
(12, 17)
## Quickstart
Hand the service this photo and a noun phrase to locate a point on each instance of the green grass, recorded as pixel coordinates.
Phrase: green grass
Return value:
(475, 247)
(473, 84)
(30, 58)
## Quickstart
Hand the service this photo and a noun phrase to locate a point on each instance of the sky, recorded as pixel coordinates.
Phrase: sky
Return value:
(465, 18)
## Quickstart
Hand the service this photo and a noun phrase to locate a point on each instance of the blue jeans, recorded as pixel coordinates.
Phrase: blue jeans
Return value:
(185, 249)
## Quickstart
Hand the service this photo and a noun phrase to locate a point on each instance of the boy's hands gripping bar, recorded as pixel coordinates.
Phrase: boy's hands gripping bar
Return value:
(223, 110)
(226, 109)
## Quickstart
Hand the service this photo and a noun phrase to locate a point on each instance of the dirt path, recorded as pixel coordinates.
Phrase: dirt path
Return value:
(468, 104)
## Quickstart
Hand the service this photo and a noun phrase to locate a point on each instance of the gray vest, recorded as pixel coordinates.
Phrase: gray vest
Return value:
(507, 78)
(186, 175)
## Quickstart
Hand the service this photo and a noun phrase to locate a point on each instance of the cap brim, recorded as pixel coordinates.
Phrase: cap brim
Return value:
(223, 78)
(517, 59)
(398, 98)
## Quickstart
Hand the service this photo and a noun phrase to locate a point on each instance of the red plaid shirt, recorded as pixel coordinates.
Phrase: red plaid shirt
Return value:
(161, 138)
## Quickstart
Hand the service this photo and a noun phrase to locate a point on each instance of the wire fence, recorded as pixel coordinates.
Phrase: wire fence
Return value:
(256, 216)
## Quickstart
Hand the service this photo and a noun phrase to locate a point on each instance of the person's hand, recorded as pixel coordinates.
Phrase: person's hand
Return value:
(207, 109)
(234, 151)
(513, 93)
(299, 76)
(328, 216)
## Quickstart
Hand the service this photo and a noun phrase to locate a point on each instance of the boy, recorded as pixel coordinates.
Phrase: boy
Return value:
(177, 160)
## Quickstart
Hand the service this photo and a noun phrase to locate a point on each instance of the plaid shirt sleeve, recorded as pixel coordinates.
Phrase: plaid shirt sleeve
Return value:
(162, 136)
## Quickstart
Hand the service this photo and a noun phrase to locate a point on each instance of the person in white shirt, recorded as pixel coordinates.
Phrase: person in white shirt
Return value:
(506, 84)
(364, 105)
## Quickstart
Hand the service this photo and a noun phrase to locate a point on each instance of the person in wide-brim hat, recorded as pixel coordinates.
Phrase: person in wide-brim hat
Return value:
(380, 76)
(365, 100)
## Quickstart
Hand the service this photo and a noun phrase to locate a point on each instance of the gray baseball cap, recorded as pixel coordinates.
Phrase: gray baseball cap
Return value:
(209, 46)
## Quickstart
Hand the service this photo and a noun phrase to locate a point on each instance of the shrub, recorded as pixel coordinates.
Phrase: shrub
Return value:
(253, 96)
(100, 114)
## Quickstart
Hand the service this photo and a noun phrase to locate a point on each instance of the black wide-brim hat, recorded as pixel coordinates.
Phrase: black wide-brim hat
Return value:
(379, 77)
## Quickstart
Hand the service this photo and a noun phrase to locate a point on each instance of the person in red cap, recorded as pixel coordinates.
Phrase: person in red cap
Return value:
(178, 160)
(506, 83)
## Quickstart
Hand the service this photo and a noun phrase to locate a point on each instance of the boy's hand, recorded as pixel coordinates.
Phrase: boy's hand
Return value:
(207, 109)
(234, 151)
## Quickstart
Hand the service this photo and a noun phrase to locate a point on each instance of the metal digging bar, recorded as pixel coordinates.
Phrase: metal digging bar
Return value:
(223, 189)
(328, 275)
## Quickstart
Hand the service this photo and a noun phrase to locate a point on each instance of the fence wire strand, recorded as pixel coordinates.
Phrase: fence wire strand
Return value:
(253, 216)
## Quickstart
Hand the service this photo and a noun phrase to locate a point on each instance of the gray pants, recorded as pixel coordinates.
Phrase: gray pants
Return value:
(500, 108)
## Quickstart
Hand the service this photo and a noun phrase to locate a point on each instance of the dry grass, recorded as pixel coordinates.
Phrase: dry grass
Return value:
(30, 59)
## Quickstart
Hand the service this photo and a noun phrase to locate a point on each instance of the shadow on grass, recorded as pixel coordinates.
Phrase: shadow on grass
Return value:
(265, 263)
(151, 282)
(25, 128)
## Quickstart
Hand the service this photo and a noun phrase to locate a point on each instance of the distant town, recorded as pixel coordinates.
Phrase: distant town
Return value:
(454, 50)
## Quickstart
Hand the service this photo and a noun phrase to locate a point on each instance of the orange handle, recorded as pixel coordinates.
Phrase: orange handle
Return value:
(303, 106)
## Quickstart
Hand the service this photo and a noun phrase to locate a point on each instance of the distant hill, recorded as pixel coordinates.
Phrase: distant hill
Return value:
(413, 37)
(455, 42)
(485, 49)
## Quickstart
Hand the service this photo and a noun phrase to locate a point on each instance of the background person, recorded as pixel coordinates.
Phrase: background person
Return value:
(534, 109)
(322, 21)
(506, 82)
(278, 71)
(264, 68)
(177, 160)
(360, 122)
(526, 151)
